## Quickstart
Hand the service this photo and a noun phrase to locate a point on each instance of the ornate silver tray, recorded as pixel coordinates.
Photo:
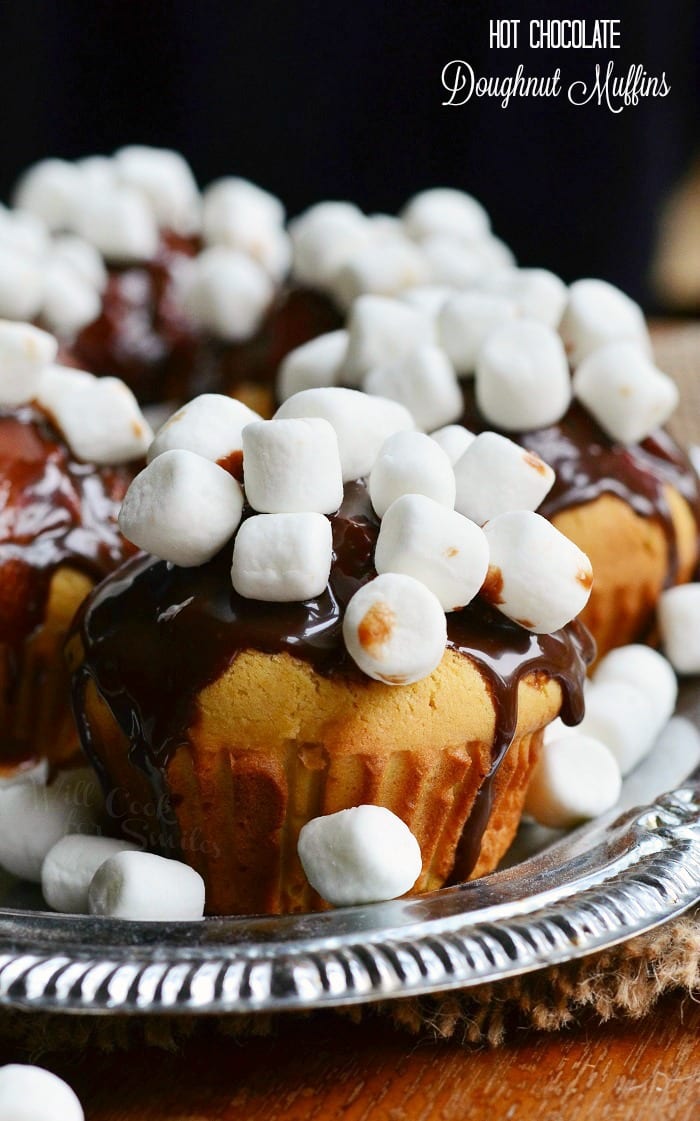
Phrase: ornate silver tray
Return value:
(561, 898)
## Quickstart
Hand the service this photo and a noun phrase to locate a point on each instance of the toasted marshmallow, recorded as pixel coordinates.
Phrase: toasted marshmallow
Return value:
(292, 466)
(445, 551)
(69, 866)
(99, 417)
(21, 284)
(622, 717)
(522, 377)
(23, 232)
(323, 238)
(210, 425)
(382, 332)
(242, 216)
(575, 778)
(596, 314)
(282, 558)
(395, 629)
(537, 293)
(428, 298)
(646, 669)
(120, 223)
(466, 321)
(25, 352)
(182, 508)
(495, 475)
(442, 210)
(425, 382)
(361, 423)
(382, 270)
(626, 394)
(146, 888)
(411, 463)
(30, 1093)
(166, 181)
(70, 302)
(454, 439)
(361, 855)
(226, 292)
(34, 817)
(313, 365)
(537, 577)
(54, 190)
(82, 257)
(679, 622)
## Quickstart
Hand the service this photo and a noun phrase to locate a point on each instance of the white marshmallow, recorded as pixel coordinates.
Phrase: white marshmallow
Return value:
(282, 558)
(649, 671)
(182, 508)
(382, 270)
(395, 629)
(537, 293)
(292, 466)
(385, 228)
(83, 257)
(453, 263)
(166, 181)
(575, 778)
(21, 284)
(24, 232)
(30, 1093)
(146, 888)
(98, 173)
(69, 866)
(25, 352)
(120, 223)
(99, 417)
(522, 377)
(240, 215)
(70, 302)
(537, 577)
(382, 332)
(361, 423)
(361, 855)
(210, 425)
(313, 365)
(425, 382)
(495, 475)
(442, 210)
(32, 772)
(54, 190)
(622, 717)
(445, 551)
(428, 298)
(323, 237)
(454, 439)
(626, 394)
(226, 292)
(34, 817)
(496, 257)
(598, 313)
(411, 463)
(679, 622)
(466, 321)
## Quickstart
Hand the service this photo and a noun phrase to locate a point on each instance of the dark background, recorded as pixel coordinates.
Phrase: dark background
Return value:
(343, 100)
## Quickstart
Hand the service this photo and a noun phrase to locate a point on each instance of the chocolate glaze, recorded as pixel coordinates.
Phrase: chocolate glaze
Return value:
(155, 635)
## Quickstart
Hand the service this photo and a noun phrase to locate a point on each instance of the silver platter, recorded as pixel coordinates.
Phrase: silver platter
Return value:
(617, 877)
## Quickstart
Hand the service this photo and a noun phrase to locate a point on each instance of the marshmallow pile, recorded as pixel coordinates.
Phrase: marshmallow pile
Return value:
(99, 417)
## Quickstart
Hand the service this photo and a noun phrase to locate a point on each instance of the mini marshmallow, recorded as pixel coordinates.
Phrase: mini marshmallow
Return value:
(445, 551)
(596, 314)
(453, 263)
(385, 228)
(625, 392)
(70, 302)
(428, 298)
(69, 866)
(25, 352)
(622, 717)
(395, 629)
(679, 623)
(537, 293)
(495, 475)
(29, 772)
(98, 173)
(361, 855)
(282, 558)
(226, 292)
(575, 778)
(465, 323)
(313, 365)
(182, 508)
(240, 215)
(54, 190)
(411, 463)
(99, 417)
(30, 1093)
(361, 423)
(537, 577)
(21, 284)
(382, 270)
(454, 439)
(292, 466)
(82, 257)
(649, 671)
(382, 332)
(166, 181)
(425, 382)
(442, 210)
(24, 232)
(323, 238)
(210, 425)
(522, 377)
(146, 888)
(34, 817)
(120, 223)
